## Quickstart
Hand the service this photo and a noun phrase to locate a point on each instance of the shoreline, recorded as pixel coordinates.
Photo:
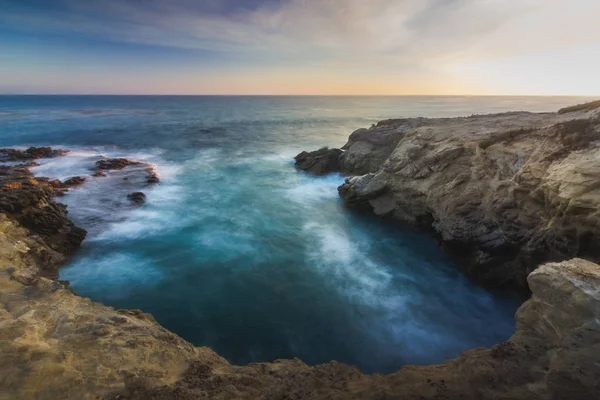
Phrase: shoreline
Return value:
(127, 354)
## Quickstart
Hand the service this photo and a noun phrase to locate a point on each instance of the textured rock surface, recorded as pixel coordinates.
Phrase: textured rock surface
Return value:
(74, 181)
(27, 200)
(32, 153)
(319, 162)
(117, 164)
(504, 192)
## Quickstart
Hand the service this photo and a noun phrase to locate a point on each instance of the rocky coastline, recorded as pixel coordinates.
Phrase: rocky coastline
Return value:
(458, 177)
(504, 193)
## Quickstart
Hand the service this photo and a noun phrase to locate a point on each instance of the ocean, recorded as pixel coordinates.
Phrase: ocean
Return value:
(238, 251)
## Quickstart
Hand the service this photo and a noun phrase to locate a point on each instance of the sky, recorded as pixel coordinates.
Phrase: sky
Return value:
(346, 47)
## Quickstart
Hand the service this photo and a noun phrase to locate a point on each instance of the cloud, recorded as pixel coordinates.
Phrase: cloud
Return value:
(401, 30)
(409, 38)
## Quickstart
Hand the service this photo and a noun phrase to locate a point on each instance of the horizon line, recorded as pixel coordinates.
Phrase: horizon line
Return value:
(301, 95)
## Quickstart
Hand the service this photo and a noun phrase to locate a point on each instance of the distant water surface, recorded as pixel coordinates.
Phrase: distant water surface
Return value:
(238, 251)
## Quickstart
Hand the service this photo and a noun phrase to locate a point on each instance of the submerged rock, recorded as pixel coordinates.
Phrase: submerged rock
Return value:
(503, 192)
(117, 164)
(114, 164)
(151, 175)
(138, 198)
(74, 181)
(319, 162)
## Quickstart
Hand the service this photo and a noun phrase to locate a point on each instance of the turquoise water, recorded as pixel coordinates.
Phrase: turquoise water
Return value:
(238, 251)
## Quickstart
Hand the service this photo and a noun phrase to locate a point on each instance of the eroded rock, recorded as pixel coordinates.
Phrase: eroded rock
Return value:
(28, 200)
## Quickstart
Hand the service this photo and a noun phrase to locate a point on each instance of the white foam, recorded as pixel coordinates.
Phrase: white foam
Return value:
(348, 267)
(310, 190)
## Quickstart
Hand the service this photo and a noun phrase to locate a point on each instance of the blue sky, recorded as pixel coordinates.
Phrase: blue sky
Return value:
(300, 46)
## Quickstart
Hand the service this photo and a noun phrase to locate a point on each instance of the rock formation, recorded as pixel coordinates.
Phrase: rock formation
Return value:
(117, 164)
(74, 181)
(319, 162)
(27, 200)
(137, 198)
(503, 192)
(32, 153)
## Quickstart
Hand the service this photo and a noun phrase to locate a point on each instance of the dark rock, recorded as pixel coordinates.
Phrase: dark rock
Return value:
(114, 163)
(138, 198)
(319, 162)
(28, 200)
(151, 176)
(31, 153)
(74, 181)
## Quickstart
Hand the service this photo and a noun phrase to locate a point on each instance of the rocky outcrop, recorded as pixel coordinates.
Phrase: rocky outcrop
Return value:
(74, 181)
(319, 162)
(117, 164)
(503, 192)
(114, 163)
(27, 200)
(32, 153)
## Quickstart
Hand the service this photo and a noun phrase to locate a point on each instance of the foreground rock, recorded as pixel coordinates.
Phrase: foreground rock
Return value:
(319, 162)
(503, 192)
(27, 201)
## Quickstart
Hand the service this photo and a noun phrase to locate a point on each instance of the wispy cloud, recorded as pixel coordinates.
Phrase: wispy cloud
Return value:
(381, 35)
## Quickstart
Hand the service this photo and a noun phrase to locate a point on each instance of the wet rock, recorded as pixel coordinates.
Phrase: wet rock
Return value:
(138, 198)
(319, 162)
(74, 181)
(114, 164)
(28, 200)
(31, 153)
(152, 176)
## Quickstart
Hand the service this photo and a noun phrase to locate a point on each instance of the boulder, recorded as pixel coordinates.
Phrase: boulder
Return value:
(138, 198)
(74, 181)
(319, 162)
